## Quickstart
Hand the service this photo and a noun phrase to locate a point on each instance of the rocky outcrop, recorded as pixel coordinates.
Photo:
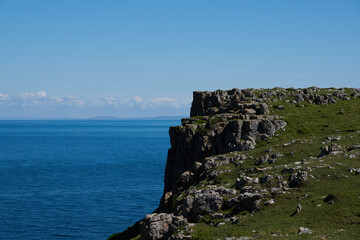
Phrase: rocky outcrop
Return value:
(222, 127)
(296, 180)
(211, 103)
(331, 149)
(246, 101)
(160, 226)
(245, 202)
(198, 138)
(200, 202)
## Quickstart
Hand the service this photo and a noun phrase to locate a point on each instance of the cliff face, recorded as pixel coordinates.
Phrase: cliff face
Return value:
(221, 122)
(247, 151)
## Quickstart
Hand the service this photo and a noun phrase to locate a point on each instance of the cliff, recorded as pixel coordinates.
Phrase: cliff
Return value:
(258, 163)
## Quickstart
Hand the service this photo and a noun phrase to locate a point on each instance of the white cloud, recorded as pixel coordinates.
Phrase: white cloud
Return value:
(3, 97)
(42, 105)
(42, 99)
(41, 94)
(26, 95)
(137, 99)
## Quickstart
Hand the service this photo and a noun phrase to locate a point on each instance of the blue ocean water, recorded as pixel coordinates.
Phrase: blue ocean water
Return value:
(79, 179)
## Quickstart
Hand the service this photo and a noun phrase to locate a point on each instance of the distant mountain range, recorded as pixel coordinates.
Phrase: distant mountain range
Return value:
(143, 118)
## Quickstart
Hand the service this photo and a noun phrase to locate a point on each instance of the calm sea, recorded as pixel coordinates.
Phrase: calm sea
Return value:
(79, 179)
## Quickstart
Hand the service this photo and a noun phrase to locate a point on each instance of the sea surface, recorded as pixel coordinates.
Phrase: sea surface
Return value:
(79, 179)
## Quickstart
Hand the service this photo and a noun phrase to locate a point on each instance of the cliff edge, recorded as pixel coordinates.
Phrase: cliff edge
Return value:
(260, 164)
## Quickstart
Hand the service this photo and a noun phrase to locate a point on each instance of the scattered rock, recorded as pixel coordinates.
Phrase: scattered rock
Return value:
(288, 170)
(240, 182)
(160, 225)
(263, 109)
(271, 161)
(266, 178)
(261, 160)
(241, 238)
(280, 107)
(296, 180)
(269, 202)
(331, 149)
(217, 215)
(245, 202)
(275, 234)
(301, 198)
(353, 147)
(299, 98)
(355, 170)
(297, 210)
(289, 143)
(303, 230)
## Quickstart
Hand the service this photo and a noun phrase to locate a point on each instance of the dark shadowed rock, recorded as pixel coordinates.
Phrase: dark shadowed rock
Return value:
(261, 160)
(245, 202)
(266, 179)
(263, 109)
(331, 149)
(296, 180)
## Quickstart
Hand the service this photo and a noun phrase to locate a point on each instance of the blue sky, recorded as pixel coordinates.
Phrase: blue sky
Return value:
(84, 58)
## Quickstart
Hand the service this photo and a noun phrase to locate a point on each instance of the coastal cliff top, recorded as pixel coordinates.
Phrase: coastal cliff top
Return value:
(262, 164)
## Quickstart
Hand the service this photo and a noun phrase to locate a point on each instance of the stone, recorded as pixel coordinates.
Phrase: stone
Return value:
(276, 155)
(217, 215)
(271, 161)
(245, 202)
(320, 99)
(240, 182)
(160, 225)
(186, 178)
(303, 230)
(263, 109)
(299, 98)
(269, 202)
(355, 170)
(266, 179)
(331, 149)
(296, 180)
(297, 210)
(241, 238)
(261, 160)
(204, 201)
(288, 170)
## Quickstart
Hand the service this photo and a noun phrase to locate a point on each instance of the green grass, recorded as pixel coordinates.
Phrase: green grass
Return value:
(309, 125)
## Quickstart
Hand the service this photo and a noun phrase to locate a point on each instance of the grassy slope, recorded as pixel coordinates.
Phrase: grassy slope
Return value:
(310, 124)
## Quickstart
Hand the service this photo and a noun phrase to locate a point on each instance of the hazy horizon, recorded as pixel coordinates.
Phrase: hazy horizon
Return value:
(99, 118)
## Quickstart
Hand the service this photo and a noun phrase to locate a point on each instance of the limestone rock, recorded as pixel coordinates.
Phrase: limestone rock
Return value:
(263, 109)
(331, 149)
(160, 226)
(303, 230)
(296, 180)
(204, 201)
(261, 160)
(266, 179)
(240, 182)
(245, 202)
